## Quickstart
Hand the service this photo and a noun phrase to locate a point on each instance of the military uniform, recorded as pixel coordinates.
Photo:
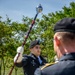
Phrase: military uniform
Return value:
(30, 63)
(65, 66)
(66, 63)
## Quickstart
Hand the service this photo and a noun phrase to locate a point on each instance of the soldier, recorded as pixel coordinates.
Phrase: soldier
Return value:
(32, 61)
(64, 46)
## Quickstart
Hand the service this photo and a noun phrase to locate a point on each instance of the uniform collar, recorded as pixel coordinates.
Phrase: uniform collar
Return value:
(32, 55)
(69, 56)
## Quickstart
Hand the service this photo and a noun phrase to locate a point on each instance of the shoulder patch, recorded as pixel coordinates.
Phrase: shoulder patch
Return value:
(46, 65)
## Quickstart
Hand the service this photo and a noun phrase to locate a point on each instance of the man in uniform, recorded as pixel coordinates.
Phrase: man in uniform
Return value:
(64, 47)
(32, 61)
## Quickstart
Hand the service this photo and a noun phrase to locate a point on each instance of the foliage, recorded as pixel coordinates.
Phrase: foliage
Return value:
(12, 35)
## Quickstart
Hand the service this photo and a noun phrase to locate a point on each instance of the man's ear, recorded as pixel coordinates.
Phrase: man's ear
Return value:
(57, 40)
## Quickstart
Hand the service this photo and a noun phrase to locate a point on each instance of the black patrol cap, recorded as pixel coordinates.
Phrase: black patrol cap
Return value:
(65, 25)
(34, 43)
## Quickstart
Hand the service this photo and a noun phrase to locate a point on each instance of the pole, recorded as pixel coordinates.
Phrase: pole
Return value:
(38, 9)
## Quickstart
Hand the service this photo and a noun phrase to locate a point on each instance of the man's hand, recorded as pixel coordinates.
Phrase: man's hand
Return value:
(19, 50)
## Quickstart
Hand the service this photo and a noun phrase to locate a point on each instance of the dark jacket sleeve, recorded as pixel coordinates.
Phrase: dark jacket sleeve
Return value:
(23, 62)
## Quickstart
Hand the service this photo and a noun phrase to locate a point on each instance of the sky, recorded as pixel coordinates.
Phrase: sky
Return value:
(15, 9)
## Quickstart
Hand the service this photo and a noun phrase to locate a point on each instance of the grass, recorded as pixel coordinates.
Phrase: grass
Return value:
(16, 71)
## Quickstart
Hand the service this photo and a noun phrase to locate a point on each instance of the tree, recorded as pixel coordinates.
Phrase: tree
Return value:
(12, 35)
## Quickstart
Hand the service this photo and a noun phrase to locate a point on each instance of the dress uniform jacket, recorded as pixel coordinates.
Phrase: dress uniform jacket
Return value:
(30, 63)
(65, 66)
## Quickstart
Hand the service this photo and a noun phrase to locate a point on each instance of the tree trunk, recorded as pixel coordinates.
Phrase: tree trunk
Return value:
(15, 71)
(0, 66)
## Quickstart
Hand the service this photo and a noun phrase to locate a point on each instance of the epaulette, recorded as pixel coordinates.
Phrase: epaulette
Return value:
(46, 65)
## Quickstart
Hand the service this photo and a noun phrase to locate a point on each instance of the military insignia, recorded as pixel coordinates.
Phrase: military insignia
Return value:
(33, 62)
(46, 65)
